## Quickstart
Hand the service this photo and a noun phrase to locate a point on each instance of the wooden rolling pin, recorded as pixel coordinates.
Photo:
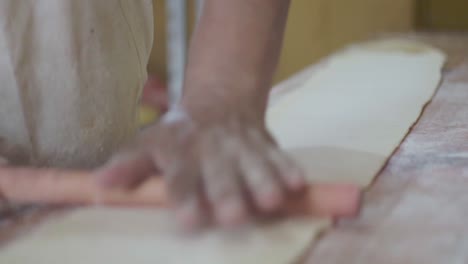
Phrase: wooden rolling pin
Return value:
(51, 186)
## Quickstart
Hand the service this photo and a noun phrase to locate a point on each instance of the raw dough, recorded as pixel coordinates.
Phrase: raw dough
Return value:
(346, 121)
(341, 125)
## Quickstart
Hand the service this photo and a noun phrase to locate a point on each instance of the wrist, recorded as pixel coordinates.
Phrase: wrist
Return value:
(222, 100)
(230, 88)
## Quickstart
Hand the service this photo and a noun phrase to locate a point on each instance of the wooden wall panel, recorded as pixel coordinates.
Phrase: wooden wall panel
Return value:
(443, 15)
(315, 28)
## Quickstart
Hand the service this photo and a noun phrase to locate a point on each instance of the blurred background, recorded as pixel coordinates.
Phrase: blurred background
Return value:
(315, 27)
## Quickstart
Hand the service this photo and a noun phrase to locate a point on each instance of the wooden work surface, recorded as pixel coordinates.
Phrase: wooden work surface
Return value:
(417, 209)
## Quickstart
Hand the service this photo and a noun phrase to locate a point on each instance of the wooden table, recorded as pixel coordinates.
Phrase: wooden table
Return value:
(417, 209)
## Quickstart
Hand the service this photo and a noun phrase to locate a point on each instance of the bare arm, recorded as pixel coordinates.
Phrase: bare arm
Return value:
(234, 52)
(213, 149)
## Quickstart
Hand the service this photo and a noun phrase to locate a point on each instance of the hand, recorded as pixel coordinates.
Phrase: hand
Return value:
(221, 163)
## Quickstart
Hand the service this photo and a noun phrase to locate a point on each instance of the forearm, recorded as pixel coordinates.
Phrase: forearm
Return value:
(234, 52)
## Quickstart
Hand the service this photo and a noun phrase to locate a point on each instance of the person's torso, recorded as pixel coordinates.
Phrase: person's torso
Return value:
(71, 73)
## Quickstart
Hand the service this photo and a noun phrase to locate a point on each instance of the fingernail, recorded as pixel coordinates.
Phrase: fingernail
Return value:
(232, 213)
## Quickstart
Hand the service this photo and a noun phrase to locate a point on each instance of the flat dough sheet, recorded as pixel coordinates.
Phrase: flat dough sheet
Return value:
(341, 125)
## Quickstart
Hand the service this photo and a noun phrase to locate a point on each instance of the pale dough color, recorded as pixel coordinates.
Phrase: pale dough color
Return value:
(341, 125)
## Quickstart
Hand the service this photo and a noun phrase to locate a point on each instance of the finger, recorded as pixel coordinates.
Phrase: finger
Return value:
(222, 187)
(190, 213)
(184, 187)
(261, 180)
(126, 170)
(290, 174)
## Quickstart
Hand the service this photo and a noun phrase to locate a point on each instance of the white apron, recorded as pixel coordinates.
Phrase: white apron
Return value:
(71, 73)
